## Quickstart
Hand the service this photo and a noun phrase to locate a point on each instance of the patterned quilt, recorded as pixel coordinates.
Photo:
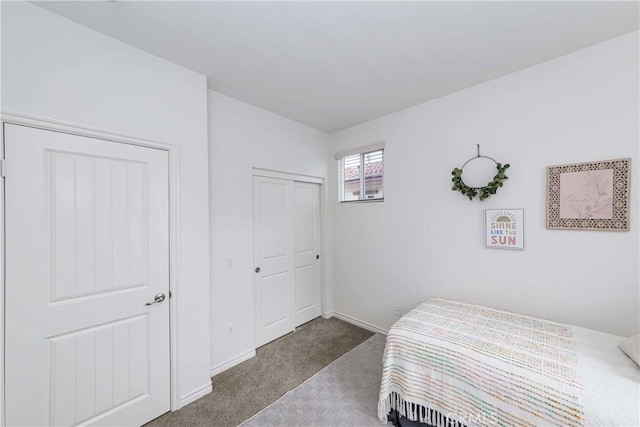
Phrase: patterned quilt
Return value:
(480, 366)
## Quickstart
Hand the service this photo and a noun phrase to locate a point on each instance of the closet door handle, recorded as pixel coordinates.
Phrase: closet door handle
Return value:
(317, 256)
(257, 269)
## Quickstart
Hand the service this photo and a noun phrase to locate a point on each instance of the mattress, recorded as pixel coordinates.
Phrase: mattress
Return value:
(610, 379)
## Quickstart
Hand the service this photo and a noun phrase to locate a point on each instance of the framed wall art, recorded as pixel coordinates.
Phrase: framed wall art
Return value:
(504, 228)
(589, 196)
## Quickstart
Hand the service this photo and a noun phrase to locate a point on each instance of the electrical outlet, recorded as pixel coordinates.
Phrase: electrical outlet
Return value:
(230, 329)
(398, 310)
(228, 262)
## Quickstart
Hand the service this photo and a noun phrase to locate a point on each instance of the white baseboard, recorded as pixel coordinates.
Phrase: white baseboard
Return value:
(360, 323)
(230, 363)
(195, 394)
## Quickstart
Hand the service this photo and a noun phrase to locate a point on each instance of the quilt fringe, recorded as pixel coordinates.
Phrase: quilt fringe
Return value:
(413, 412)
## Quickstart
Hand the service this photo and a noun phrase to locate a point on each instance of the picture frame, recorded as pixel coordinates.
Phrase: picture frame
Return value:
(504, 228)
(589, 196)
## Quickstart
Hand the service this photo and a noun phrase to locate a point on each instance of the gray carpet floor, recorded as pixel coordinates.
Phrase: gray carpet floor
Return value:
(344, 393)
(280, 366)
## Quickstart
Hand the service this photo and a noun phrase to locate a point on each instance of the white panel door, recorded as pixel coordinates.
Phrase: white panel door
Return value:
(307, 251)
(273, 258)
(86, 249)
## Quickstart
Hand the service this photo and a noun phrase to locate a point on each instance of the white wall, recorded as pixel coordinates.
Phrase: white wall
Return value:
(56, 69)
(242, 137)
(426, 240)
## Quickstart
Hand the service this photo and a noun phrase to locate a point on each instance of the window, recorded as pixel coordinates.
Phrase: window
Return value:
(361, 174)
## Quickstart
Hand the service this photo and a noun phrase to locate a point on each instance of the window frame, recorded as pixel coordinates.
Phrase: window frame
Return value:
(361, 152)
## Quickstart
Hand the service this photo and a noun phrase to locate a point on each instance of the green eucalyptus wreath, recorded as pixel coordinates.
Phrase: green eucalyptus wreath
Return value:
(484, 192)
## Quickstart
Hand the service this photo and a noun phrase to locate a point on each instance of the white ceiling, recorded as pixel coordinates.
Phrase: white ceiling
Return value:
(332, 65)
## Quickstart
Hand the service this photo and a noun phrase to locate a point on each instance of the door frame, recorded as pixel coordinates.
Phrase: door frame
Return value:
(269, 173)
(91, 132)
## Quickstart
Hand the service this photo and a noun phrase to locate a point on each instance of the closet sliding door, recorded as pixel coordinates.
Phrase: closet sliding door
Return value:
(287, 275)
(307, 251)
(273, 245)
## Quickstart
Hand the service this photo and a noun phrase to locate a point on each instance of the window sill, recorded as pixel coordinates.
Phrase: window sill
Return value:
(347, 202)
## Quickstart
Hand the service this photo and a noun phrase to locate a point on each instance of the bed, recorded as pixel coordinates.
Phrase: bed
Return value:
(448, 363)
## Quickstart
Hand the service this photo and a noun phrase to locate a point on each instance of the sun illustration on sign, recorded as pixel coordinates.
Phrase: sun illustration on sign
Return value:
(502, 216)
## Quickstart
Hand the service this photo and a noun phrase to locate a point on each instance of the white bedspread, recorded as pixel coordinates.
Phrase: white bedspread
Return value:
(610, 380)
(480, 366)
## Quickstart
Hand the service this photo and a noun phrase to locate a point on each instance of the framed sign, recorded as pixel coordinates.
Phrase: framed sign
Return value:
(589, 196)
(504, 228)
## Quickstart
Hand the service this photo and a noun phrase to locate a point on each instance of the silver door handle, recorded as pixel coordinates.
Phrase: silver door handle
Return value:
(158, 298)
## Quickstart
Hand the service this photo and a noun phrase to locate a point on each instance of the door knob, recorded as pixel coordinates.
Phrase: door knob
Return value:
(158, 298)
(317, 256)
(257, 269)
